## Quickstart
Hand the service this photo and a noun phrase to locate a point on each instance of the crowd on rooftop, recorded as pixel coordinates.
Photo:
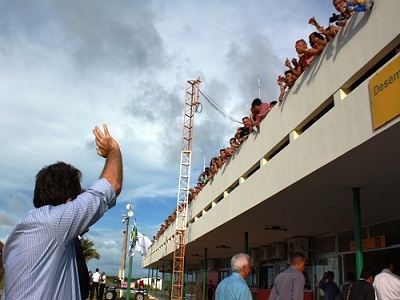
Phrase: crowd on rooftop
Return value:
(317, 41)
(259, 110)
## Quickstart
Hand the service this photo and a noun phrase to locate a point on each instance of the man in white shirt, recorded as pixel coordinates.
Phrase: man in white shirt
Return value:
(95, 284)
(102, 284)
(387, 284)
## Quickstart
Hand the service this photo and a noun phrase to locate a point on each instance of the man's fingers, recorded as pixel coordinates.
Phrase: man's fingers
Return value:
(105, 129)
(104, 141)
(97, 132)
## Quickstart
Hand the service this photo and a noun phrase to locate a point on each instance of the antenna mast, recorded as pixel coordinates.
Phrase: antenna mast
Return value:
(191, 103)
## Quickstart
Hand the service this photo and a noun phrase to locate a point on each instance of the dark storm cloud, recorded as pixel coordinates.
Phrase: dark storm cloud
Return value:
(103, 34)
(250, 60)
(155, 102)
(99, 33)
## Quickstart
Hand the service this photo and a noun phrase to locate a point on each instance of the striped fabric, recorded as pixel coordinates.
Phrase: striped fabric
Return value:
(39, 255)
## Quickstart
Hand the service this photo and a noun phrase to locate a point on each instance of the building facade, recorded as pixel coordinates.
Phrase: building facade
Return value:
(321, 177)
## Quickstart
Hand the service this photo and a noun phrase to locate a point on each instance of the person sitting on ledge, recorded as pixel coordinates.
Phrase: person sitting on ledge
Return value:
(345, 13)
(285, 83)
(360, 5)
(243, 132)
(317, 40)
(213, 168)
(329, 32)
(222, 158)
(203, 177)
(234, 144)
(306, 56)
(258, 112)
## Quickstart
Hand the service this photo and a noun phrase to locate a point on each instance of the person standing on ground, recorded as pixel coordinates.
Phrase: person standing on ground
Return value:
(210, 290)
(90, 283)
(102, 285)
(330, 288)
(350, 278)
(235, 287)
(386, 283)
(361, 289)
(289, 284)
(95, 284)
(39, 256)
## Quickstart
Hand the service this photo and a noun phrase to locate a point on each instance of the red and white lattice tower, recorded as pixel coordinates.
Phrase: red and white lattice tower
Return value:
(191, 103)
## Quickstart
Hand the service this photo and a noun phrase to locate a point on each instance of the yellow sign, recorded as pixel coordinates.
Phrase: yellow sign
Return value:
(384, 89)
(371, 243)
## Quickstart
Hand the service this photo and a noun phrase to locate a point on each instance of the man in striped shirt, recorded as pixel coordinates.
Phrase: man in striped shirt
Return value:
(39, 256)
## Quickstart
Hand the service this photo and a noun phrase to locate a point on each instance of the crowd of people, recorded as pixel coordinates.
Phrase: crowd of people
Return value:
(317, 41)
(97, 284)
(259, 110)
(385, 285)
(290, 283)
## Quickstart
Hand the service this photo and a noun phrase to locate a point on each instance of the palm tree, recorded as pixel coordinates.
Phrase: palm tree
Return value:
(88, 251)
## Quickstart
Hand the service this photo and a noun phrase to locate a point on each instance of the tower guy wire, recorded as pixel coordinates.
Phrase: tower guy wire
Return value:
(218, 108)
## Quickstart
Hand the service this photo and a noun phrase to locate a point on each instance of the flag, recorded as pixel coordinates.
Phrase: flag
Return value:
(133, 240)
(143, 243)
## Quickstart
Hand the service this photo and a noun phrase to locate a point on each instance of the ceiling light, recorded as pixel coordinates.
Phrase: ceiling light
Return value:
(223, 247)
(279, 228)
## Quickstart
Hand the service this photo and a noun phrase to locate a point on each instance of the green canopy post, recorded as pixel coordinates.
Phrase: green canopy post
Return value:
(357, 230)
(205, 274)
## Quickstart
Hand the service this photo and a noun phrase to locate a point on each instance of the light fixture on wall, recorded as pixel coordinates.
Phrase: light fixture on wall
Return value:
(278, 228)
(196, 255)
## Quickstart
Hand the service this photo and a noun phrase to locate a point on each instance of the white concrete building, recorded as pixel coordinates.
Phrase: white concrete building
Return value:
(328, 155)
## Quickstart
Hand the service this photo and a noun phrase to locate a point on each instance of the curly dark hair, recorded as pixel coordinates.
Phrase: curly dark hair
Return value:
(55, 184)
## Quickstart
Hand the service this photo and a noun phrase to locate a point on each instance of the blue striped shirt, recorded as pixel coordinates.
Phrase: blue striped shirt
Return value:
(39, 255)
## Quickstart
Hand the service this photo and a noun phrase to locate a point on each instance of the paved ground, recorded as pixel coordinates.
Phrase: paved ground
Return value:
(151, 297)
(158, 297)
(166, 297)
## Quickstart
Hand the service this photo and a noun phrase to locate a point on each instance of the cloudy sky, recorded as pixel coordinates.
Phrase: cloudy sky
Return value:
(67, 66)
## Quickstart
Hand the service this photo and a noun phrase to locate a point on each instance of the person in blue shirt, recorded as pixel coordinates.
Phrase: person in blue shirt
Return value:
(235, 287)
(40, 258)
(330, 288)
